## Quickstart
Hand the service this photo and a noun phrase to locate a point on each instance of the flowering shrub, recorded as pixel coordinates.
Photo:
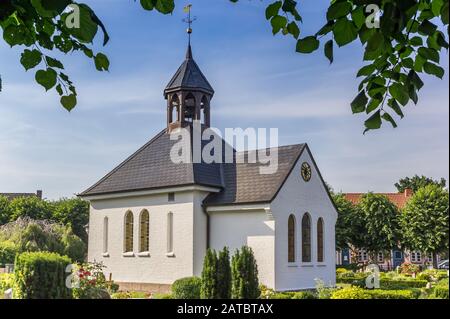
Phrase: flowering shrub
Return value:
(408, 268)
(89, 282)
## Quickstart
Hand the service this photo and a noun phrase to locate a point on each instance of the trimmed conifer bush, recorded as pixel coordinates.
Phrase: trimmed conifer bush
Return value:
(41, 275)
(245, 284)
(224, 274)
(209, 276)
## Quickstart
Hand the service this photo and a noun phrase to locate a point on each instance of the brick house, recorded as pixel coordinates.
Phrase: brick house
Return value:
(396, 256)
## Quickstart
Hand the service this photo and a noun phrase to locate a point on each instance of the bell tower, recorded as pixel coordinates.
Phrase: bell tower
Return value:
(188, 93)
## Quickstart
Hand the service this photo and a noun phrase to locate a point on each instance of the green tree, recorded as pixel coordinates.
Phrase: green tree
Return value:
(350, 225)
(73, 212)
(416, 182)
(32, 207)
(29, 235)
(4, 210)
(244, 270)
(381, 219)
(224, 274)
(209, 276)
(405, 42)
(425, 221)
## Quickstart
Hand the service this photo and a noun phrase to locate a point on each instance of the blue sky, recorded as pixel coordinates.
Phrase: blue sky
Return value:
(259, 82)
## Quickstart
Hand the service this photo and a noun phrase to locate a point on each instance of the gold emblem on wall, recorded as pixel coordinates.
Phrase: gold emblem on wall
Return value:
(306, 172)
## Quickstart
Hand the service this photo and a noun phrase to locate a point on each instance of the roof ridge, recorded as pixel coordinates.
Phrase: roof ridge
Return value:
(267, 148)
(129, 158)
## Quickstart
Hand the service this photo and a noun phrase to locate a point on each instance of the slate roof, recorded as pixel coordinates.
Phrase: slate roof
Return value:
(151, 167)
(189, 77)
(239, 183)
(244, 184)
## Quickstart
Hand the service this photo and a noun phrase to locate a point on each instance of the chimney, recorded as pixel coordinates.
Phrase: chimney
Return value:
(39, 194)
(408, 192)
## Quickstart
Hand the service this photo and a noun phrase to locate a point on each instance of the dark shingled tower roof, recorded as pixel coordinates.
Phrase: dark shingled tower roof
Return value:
(189, 77)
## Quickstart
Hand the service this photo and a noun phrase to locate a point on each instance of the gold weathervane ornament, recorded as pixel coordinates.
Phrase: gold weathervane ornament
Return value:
(189, 20)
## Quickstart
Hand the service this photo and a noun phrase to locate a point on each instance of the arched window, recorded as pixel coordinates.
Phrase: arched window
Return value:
(144, 232)
(291, 239)
(189, 108)
(105, 235)
(306, 238)
(170, 233)
(320, 240)
(175, 109)
(128, 245)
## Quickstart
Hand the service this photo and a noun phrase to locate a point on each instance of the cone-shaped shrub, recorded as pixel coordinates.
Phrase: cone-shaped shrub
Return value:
(224, 275)
(245, 284)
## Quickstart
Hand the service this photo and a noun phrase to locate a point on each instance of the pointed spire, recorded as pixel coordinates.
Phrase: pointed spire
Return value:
(189, 52)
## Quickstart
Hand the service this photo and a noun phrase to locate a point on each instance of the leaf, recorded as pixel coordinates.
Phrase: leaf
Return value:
(69, 101)
(444, 13)
(359, 103)
(415, 79)
(416, 41)
(358, 17)
(46, 78)
(59, 89)
(433, 69)
(101, 62)
(293, 29)
(387, 117)
(165, 6)
(392, 103)
(54, 63)
(307, 45)
(429, 54)
(375, 42)
(273, 9)
(30, 59)
(366, 70)
(328, 50)
(373, 105)
(373, 122)
(338, 10)
(147, 4)
(426, 27)
(278, 23)
(344, 32)
(399, 92)
(88, 28)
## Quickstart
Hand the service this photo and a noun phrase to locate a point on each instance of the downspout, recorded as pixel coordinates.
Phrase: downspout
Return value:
(207, 226)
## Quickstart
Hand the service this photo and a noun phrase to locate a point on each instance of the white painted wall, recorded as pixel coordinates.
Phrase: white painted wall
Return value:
(251, 228)
(158, 267)
(298, 197)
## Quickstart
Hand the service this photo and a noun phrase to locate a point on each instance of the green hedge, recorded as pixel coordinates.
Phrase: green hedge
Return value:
(386, 283)
(6, 282)
(360, 293)
(394, 294)
(187, 288)
(8, 253)
(441, 289)
(41, 275)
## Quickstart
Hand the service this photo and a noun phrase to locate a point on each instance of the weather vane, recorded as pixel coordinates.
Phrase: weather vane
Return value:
(189, 20)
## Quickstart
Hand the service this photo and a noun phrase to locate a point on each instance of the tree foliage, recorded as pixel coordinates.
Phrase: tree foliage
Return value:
(4, 210)
(350, 225)
(416, 182)
(425, 220)
(31, 207)
(403, 43)
(73, 212)
(381, 219)
(28, 235)
(245, 284)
